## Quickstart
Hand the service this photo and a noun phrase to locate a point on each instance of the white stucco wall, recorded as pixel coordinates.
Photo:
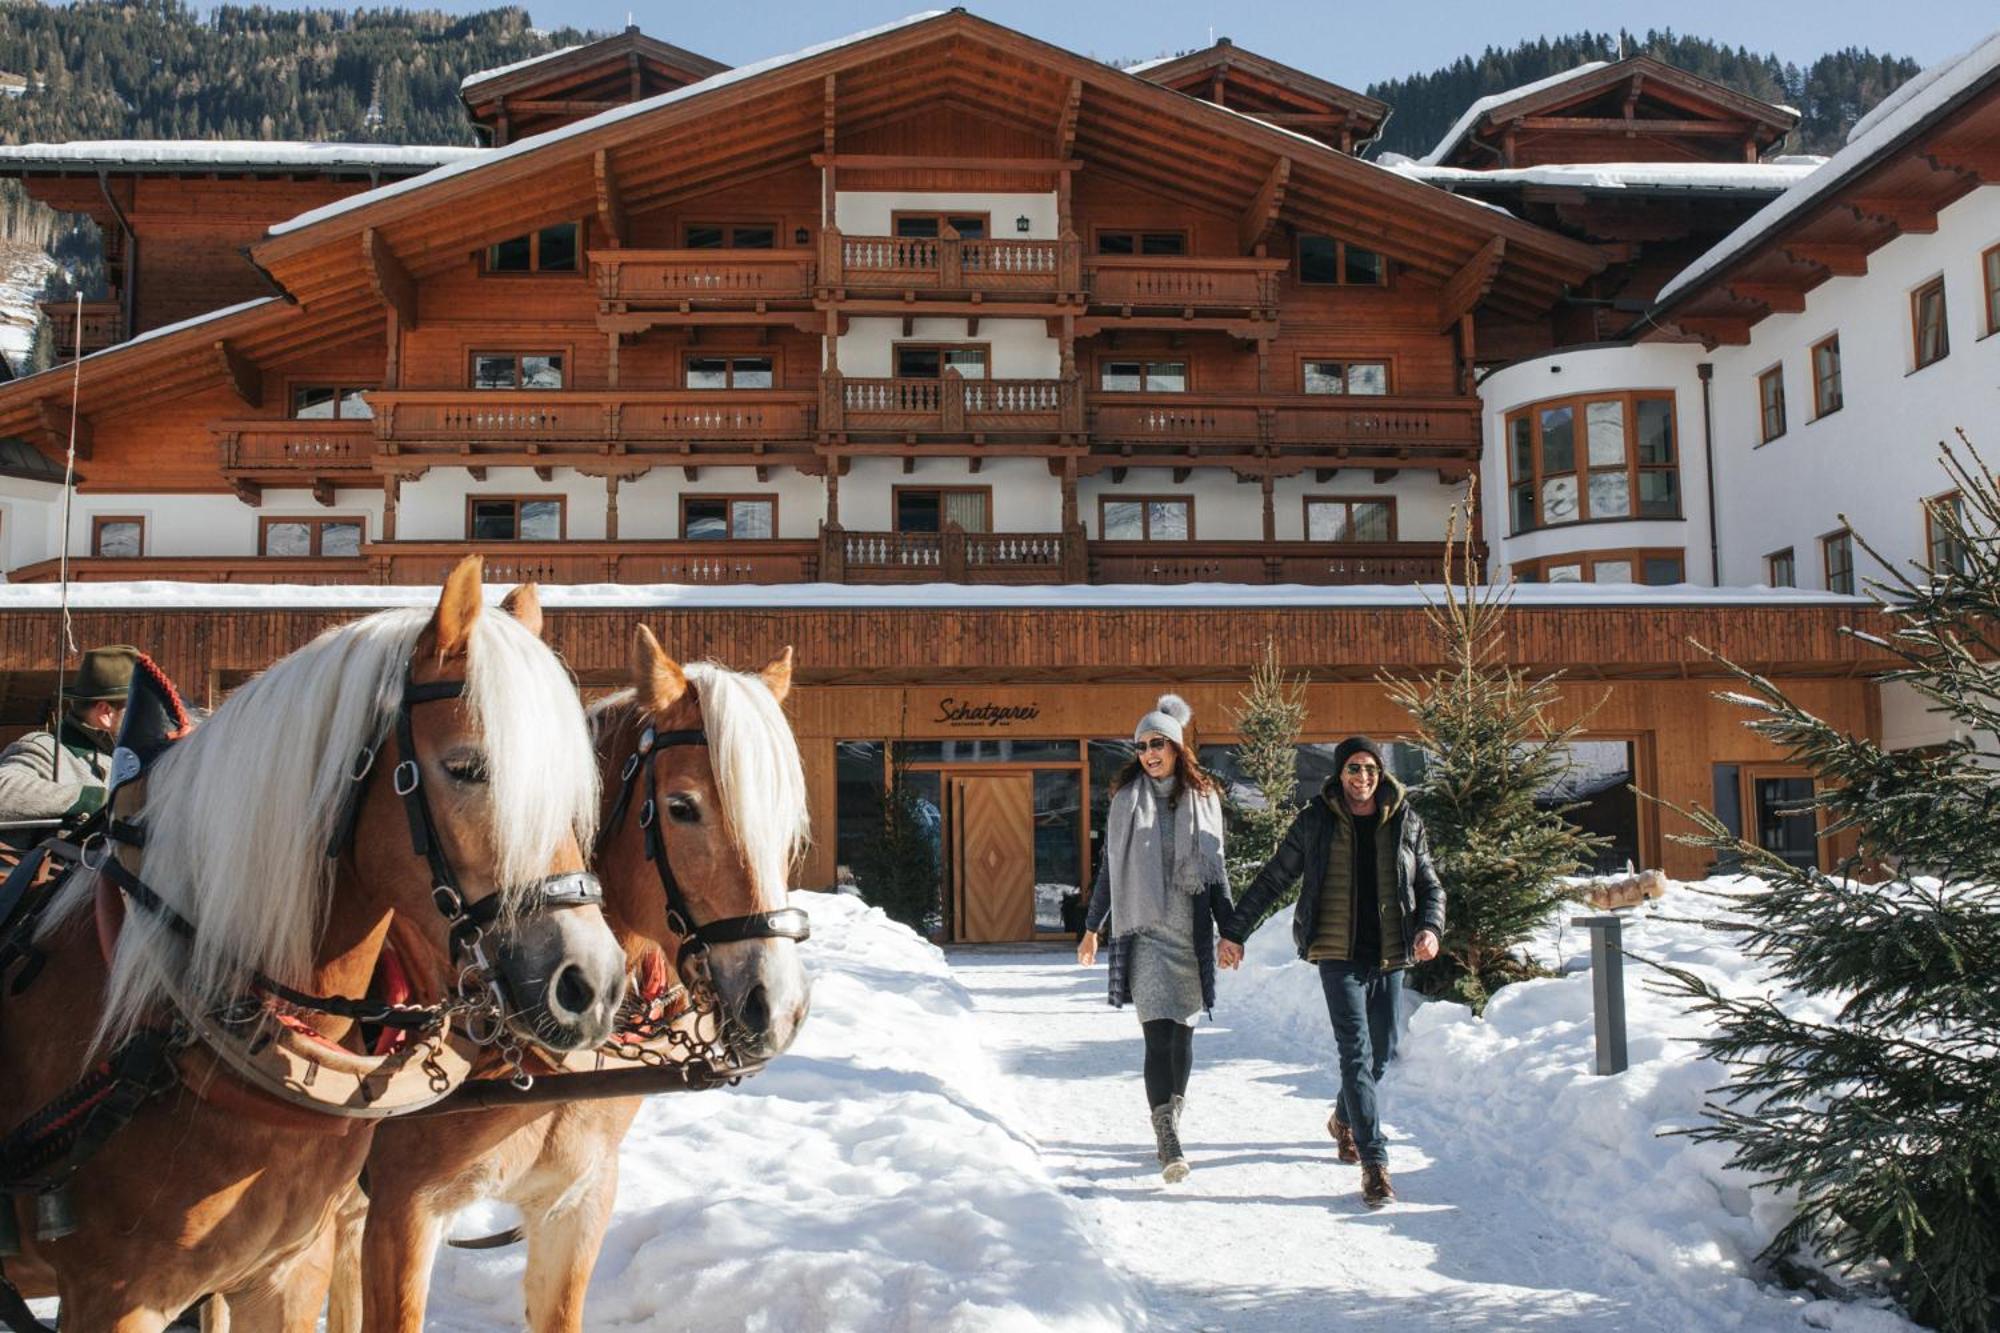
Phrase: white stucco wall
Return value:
(869, 212)
(30, 521)
(210, 525)
(1026, 498)
(1021, 349)
(1908, 720)
(432, 508)
(649, 509)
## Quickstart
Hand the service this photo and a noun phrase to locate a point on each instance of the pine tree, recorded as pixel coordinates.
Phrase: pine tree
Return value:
(1272, 715)
(1883, 1119)
(898, 871)
(1492, 742)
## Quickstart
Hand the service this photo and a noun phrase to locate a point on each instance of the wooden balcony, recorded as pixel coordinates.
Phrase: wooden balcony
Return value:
(519, 422)
(689, 280)
(1182, 287)
(952, 556)
(1372, 431)
(910, 268)
(316, 455)
(1320, 564)
(951, 406)
(103, 326)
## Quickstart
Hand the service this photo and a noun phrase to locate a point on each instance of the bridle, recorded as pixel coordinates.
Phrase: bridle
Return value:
(785, 923)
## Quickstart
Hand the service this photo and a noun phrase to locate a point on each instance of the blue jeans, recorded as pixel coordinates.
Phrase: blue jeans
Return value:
(1361, 1001)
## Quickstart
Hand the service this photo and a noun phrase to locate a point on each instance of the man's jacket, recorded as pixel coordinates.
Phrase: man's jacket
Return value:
(27, 791)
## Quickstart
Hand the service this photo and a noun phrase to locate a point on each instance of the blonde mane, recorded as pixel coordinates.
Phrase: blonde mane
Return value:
(239, 815)
(758, 773)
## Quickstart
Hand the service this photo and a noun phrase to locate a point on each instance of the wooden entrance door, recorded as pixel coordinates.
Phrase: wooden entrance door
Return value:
(993, 856)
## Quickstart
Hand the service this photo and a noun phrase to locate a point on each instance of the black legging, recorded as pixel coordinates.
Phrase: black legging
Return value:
(1169, 1059)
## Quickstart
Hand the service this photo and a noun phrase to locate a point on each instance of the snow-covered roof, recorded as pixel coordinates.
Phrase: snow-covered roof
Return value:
(209, 154)
(1902, 113)
(924, 597)
(499, 71)
(1154, 63)
(533, 143)
(65, 369)
(1778, 174)
(1463, 125)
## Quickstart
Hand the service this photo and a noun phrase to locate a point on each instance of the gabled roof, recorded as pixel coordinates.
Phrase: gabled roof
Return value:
(543, 92)
(167, 156)
(735, 126)
(1932, 142)
(1268, 89)
(1765, 122)
(572, 61)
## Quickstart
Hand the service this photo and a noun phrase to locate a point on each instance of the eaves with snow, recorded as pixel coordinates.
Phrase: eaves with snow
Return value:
(260, 155)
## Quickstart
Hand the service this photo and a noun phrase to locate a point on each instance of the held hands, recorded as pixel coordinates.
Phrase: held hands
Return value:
(1228, 953)
(1426, 947)
(1086, 948)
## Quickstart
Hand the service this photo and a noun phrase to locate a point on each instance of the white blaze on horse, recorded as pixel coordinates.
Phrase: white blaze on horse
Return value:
(705, 817)
(372, 846)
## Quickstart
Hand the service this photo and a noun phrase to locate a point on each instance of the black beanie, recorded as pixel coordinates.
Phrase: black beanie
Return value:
(1352, 746)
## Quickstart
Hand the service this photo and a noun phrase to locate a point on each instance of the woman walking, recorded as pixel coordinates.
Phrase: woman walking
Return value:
(1162, 884)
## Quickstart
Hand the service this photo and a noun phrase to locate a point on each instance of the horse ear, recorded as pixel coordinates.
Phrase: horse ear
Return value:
(656, 678)
(525, 605)
(777, 674)
(459, 605)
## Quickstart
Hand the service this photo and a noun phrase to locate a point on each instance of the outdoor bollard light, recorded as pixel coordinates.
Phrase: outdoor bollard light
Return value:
(1607, 988)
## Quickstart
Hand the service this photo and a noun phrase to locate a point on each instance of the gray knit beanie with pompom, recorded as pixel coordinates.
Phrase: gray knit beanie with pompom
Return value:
(1169, 718)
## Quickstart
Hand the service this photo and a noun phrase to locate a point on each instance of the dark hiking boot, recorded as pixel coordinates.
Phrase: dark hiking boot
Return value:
(1375, 1187)
(1173, 1166)
(1343, 1138)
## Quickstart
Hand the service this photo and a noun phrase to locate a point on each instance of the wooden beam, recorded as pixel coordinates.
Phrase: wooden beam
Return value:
(610, 206)
(54, 421)
(1263, 209)
(1066, 124)
(1468, 287)
(1717, 330)
(1982, 161)
(545, 474)
(1909, 216)
(390, 280)
(322, 491)
(249, 492)
(1732, 129)
(244, 376)
(933, 162)
(1385, 475)
(1781, 299)
(1843, 261)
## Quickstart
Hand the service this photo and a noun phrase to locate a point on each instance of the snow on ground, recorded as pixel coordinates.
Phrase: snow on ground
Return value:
(875, 1177)
(23, 270)
(1532, 1192)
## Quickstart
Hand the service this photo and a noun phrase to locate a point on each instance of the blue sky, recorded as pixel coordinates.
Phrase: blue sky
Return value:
(1349, 43)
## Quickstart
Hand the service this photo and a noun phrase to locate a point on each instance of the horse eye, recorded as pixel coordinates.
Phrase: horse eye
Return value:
(683, 810)
(470, 770)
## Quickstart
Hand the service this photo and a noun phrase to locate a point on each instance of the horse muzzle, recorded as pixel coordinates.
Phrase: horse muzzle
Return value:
(764, 992)
(563, 974)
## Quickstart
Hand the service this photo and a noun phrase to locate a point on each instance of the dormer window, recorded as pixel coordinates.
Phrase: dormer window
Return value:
(1326, 262)
(550, 250)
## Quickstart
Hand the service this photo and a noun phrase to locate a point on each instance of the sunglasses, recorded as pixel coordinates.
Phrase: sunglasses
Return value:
(1153, 743)
(1358, 769)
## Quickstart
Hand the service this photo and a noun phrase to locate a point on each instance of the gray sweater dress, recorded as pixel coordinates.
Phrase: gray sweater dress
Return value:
(1166, 976)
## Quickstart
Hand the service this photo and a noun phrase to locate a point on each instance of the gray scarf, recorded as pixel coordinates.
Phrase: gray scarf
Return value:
(1141, 895)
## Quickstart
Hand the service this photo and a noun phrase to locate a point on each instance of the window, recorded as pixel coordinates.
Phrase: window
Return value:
(1927, 321)
(1943, 549)
(1838, 550)
(550, 250)
(728, 517)
(1324, 261)
(1142, 243)
(121, 537)
(1162, 518)
(1317, 376)
(339, 537)
(930, 508)
(929, 361)
(1781, 570)
(1142, 376)
(329, 402)
(729, 372)
(1826, 376)
(923, 226)
(1333, 518)
(1652, 568)
(1574, 460)
(511, 518)
(1989, 268)
(517, 370)
(1771, 403)
(730, 236)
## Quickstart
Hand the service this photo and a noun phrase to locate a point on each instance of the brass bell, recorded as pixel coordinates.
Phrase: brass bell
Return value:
(54, 1216)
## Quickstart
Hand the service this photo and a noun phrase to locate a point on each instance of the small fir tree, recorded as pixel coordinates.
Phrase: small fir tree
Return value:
(1883, 1119)
(1272, 715)
(898, 871)
(1492, 742)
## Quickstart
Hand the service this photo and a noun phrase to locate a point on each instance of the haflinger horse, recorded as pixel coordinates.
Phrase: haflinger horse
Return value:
(705, 817)
(219, 984)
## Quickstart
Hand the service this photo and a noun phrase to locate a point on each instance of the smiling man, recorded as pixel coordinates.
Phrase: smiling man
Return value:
(1369, 906)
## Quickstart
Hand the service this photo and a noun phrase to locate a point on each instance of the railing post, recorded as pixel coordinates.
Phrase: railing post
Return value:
(831, 409)
(951, 402)
(1069, 265)
(951, 260)
(831, 271)
(1607, 988)
(1075, 555)
(951, 553)
(832, 551)
(1072, 406)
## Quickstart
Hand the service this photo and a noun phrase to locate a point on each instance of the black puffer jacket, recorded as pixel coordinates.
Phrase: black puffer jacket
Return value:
(1302, 857)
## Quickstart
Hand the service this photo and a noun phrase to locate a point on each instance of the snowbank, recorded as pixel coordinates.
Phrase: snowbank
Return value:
(1517, 1087)
(872, 1178)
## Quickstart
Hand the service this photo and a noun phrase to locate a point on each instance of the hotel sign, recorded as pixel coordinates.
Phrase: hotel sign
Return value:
(956, 712)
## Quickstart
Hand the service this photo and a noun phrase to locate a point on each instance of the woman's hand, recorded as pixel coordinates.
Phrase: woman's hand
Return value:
(1086, 948)
(1426, 947)
(1229, 953)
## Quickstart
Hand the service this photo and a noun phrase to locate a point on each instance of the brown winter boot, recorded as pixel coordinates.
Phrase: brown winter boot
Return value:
(1375, 1187)
(1343, 1138)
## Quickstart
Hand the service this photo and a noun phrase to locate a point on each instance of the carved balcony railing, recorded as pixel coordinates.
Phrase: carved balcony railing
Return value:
(688, 278)
(298, 449)
(1185, 285)
(948, 265)
(951, 405)
(951, 556)
(103, 326)
(509, 421)
(1382, 431)
(1325, 564)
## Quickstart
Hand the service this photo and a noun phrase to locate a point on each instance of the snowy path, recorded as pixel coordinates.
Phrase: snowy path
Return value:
(1269, 1231)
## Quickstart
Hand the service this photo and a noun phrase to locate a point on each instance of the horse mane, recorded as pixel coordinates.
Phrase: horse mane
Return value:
(757, 767)
(239, 815)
